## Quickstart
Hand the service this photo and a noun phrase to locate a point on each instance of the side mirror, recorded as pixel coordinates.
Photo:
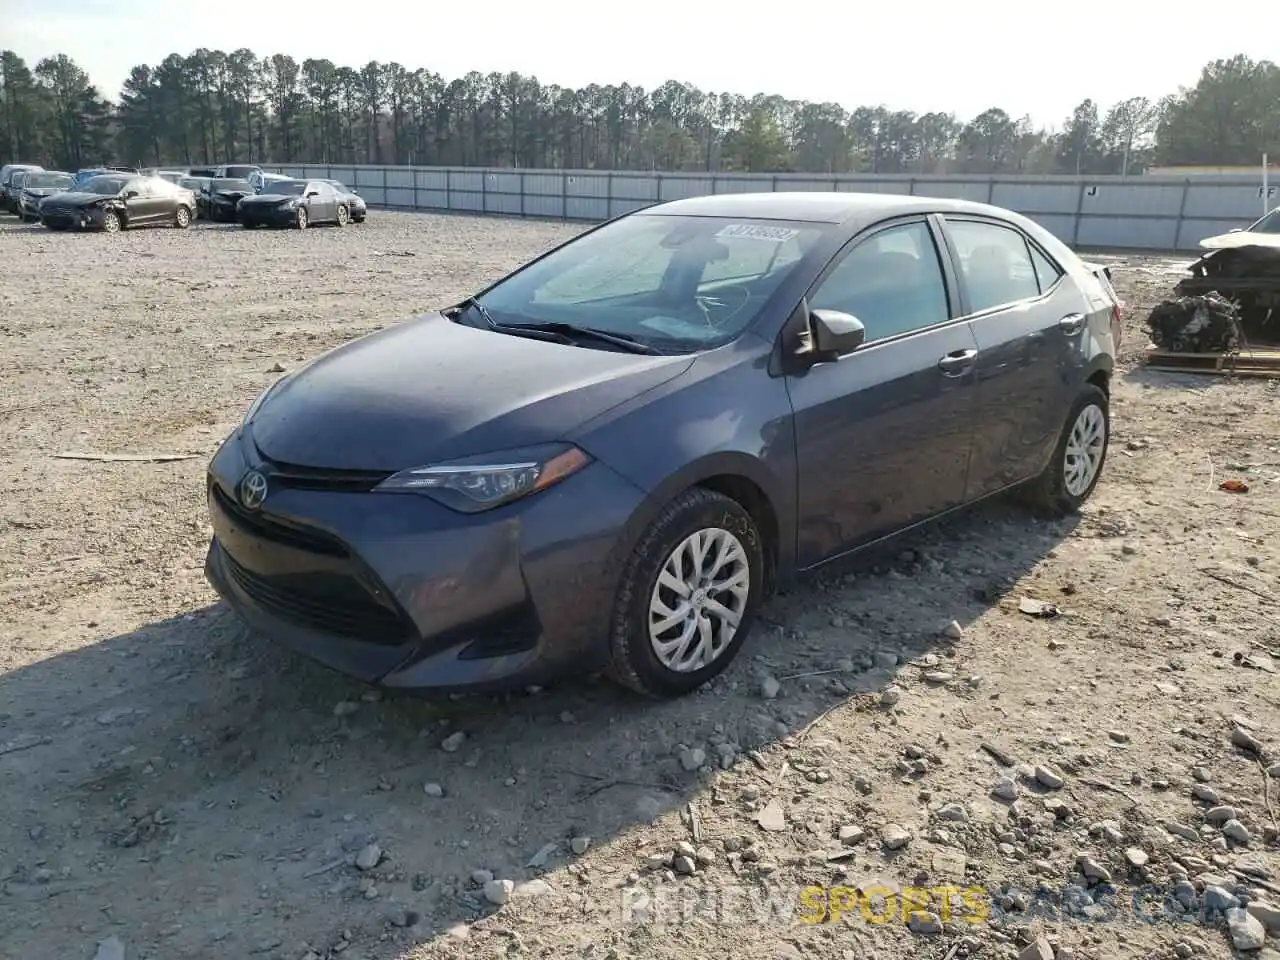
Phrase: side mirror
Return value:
(1236, 230)
(130, 194)
(355, 191)
(835, 334)
(313, 193)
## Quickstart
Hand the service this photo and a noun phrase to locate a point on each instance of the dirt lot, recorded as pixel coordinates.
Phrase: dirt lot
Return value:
(170, 781)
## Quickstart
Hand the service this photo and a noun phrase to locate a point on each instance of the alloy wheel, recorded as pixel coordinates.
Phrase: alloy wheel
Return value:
(699, 599)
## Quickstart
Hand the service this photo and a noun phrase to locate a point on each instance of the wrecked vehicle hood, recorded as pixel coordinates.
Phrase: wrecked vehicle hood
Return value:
(1241, 238)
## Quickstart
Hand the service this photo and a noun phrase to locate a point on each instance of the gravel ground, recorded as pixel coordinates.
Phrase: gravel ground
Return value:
(180, 785)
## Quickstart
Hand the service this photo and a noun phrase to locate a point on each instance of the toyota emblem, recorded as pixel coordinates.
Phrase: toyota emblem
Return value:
(253, 489)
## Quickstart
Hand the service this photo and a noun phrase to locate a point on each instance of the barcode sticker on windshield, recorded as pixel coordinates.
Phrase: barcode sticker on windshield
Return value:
(752, 231)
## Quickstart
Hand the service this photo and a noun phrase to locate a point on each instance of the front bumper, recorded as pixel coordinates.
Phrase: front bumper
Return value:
(398, 590)
(269, 216)
(79, 218)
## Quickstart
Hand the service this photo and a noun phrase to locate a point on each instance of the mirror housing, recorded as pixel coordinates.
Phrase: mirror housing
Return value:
(130, 194)
(313, 193)
(833, 334)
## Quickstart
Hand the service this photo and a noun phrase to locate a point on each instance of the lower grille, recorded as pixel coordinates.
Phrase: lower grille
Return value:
(328, 602)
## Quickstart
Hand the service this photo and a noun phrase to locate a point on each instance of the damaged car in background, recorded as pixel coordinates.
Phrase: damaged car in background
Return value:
(114, 202)
(39, 185)
(221, 199)
(1241, 267)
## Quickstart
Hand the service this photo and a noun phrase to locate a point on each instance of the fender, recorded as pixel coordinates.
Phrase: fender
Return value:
(778, 497)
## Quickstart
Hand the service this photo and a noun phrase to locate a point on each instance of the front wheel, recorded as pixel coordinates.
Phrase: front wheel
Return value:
(1076, 466)
(344, 217)
(301, 218)
(111, 222)
(688, 595)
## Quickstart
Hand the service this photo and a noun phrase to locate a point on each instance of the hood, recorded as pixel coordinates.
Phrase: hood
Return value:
(44, 191)
(232, 194)
(1241, 238)
(429, 390)
(270, 197)
(67, 198)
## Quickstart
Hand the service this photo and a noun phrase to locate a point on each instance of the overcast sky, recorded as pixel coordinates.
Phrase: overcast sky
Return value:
(1028, 58)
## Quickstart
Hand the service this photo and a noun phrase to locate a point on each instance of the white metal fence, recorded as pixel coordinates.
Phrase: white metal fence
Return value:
(1147, 213)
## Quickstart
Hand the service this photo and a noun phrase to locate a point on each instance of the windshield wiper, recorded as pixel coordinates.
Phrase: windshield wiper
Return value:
(559, 332)
(630, 344)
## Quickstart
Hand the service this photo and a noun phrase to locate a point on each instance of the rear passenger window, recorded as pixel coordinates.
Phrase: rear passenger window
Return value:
(891, 281)
(995, 264)
(1047, 272)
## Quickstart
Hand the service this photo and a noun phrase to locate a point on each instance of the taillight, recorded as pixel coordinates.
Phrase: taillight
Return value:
(1117, 328)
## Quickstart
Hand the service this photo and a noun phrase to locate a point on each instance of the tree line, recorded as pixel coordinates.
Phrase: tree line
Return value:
(211, 107)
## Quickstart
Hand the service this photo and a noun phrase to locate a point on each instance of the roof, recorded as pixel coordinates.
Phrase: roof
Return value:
(816, 207)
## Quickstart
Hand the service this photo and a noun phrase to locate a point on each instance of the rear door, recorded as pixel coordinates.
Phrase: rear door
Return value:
(883, 434)
(329, 198)
(1027, 317)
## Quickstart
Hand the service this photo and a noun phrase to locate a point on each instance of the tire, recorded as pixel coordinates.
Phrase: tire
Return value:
(634, 660)
(182, 218)
(1062, 489)
(344, 216)
(249, 225)
(111, 222)
(302, 218)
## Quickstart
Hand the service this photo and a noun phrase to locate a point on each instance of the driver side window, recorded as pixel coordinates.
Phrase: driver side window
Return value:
(892, 281)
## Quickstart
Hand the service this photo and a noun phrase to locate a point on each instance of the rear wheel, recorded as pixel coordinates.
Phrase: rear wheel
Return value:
(688, 595)
(1076, 466)
(111, 222)
(182, 218)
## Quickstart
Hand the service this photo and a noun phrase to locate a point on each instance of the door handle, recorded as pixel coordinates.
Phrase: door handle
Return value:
(1072, 324)
(956, 362)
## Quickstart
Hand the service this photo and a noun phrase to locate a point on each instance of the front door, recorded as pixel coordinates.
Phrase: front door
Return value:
(883, 434)
(1024, 319)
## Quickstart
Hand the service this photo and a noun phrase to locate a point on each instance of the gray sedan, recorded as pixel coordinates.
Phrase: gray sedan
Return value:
(610, 457)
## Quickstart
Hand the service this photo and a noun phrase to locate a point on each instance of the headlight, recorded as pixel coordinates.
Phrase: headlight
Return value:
(474, 484)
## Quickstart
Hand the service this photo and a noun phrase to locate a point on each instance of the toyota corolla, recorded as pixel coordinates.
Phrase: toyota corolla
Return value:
(610, 457)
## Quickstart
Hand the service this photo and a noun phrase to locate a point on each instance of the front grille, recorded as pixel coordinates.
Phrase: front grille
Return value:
(268, 528)
(314, 478)
(328, 602)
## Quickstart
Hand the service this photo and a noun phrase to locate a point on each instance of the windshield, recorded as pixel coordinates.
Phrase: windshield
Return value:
(285, 188)
(60, 180)
(1268, 224)
(104, 186)
(230, 185)
(669, 282)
